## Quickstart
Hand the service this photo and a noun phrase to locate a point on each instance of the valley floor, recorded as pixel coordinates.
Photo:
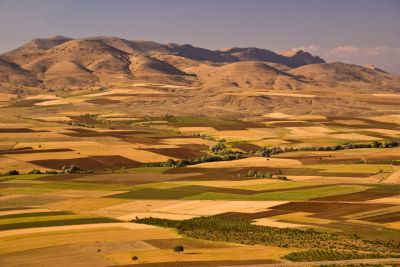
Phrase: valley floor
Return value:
(328, 195)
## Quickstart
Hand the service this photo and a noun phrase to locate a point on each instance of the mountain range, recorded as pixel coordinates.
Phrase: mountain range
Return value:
(240, 81)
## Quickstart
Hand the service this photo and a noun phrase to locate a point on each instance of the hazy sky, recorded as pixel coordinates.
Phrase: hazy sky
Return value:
(355, 31)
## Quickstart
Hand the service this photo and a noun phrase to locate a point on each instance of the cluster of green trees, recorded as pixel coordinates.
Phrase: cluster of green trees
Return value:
(241, 230)
(74, 169)
(220, 148)
(260, 174)
(64, 170)
(269, 151)
(187, 162)
(36, 171)
(12, 172)
(204, 136)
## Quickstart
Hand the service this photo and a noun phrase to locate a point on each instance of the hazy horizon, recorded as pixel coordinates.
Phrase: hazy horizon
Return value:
(358, 32)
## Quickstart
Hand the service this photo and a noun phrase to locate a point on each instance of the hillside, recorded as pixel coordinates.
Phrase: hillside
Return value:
(238, 82)
(65, 62)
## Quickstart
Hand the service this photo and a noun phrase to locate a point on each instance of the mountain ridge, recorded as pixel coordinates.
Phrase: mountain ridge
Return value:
(64, 62)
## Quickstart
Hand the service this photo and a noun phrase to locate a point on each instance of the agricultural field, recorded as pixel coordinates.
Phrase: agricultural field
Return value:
(88, 181)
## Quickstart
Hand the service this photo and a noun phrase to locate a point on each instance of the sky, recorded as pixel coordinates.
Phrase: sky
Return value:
(353, 31)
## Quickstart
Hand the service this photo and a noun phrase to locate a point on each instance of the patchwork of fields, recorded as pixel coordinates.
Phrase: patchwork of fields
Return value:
(177, 168)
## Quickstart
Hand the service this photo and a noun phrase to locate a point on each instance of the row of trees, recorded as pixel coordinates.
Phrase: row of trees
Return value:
(187, 162)
(259, 174)
(64, 170)
(269, 151)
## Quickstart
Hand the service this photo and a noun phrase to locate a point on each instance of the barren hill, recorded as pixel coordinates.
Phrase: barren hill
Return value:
(241, 82)
(65, 62)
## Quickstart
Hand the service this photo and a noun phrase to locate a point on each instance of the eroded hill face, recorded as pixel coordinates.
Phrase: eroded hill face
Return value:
(64, 62)
(239, 82)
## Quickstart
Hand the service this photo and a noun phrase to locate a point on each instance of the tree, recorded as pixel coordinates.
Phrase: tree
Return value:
(170, 163)
(179, 248)
(13, 172)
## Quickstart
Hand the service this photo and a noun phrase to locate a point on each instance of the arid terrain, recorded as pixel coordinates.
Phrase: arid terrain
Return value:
(132, 153)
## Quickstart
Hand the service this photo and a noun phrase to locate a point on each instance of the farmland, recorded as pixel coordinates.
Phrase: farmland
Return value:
(109, 186)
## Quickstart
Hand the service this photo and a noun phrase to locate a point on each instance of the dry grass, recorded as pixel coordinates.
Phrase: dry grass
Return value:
(4, 97)
(9, 163)
(241, 252)
(274, 223)
(302, 217)
(353, 136)
(182, 209)
(34, 238)
(277, 115)
(84, 205)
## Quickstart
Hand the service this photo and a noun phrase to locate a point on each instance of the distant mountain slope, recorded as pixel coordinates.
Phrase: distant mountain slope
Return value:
(248, 74)
(14, 74)
(256, 54)
(62, 62)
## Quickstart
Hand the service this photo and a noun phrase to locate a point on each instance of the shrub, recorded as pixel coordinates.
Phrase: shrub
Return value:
(13, 172)
(179, 248)
(35, 171)
(170, 163)
(135, 258)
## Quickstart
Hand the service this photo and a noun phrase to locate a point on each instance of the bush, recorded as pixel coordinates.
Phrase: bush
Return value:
(179, 248)
(35, 171)
(135, 258)
(258, 174)
(170, 163)
(13, 172)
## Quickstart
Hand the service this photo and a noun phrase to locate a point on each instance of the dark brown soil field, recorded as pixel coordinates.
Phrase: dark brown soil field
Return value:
(197, 147)
(350, 209)
(384, 218)
(19, 130)
(142, 95)
(329, 209)
(180, 153)
(294, 124)
(359, 196)
(246, 147)
(97, 163)
(103, 101)
(117, 161)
